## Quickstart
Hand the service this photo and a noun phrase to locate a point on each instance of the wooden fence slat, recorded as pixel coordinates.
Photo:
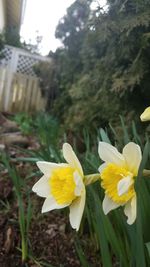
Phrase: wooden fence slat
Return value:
(2, 86)
(34, 95)
(13, 92)
(23, 92)
(20, 93)
(38, 99)
(28, 95)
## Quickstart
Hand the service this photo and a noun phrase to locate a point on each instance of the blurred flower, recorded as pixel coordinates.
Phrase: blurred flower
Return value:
(118, 175)
(62, 185)
(145, 116)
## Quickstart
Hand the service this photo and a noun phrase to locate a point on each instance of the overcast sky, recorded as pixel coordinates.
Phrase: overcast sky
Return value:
(43, 16)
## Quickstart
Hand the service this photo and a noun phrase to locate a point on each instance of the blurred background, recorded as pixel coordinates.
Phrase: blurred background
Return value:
(76, 71)
(90, 59)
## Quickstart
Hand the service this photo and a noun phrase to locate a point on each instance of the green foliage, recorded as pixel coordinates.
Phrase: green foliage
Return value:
(12, 37)
(104, 67)
(48, 133)
(25, 122)
(119, 244)
(47, 128)
(2, 42)
(114, 242)
(49, 76)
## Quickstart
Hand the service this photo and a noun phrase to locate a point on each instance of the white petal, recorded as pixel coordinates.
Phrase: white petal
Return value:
(108, 205)
(102, 167)
(79, 183)
(71, 158)
(47, 167)
(42, 187)
(109, 153)
(76, 211)
(124, 184)
(133, 156)
(130, 210)
(51, 204)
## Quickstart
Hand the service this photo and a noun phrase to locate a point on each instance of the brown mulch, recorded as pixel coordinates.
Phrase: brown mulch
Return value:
(51, 237)
(9, 238)
(56, 242)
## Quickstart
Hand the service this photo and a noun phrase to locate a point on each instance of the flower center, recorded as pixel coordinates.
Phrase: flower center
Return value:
(110, 177)
(62, 185)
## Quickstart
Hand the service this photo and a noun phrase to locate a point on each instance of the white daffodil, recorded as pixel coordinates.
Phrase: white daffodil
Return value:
(145, 116)
(62, 185)
(118, 175)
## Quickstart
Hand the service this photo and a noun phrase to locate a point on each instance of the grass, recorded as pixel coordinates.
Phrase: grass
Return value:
(24, 213)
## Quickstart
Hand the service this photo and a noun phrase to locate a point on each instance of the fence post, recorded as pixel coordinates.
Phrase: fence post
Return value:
(9, 78)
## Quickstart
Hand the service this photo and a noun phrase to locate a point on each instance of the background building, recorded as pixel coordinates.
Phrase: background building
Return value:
(11, 13)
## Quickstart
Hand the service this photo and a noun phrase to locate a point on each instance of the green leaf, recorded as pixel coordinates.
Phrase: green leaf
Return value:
(104, 136)
(80, 253)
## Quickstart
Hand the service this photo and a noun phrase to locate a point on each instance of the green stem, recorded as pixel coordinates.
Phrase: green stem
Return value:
(146, 173)
(24, 249)
(91, 178)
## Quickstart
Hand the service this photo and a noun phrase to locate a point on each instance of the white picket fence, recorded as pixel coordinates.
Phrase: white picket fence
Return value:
(19, 92)
(19, 86)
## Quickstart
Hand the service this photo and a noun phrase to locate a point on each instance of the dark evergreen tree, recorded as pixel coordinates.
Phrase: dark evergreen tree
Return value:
(104, 65)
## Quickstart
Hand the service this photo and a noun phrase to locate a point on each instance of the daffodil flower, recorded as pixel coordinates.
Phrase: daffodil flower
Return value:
(145, 116)
(62, 185)
(118, 173)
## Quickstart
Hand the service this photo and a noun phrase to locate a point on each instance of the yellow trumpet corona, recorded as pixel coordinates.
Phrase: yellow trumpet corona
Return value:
(118, 174)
